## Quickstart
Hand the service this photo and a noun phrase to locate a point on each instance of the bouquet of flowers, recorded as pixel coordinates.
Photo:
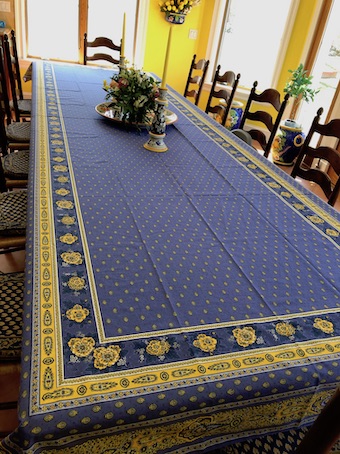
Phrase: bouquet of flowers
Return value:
(178, 6)
(134, 93)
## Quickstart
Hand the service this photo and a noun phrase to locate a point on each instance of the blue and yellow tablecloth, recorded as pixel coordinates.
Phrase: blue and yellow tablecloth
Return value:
(174, 301)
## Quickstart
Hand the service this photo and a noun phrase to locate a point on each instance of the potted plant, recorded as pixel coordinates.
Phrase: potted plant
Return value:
(287, 143)
(299, 87)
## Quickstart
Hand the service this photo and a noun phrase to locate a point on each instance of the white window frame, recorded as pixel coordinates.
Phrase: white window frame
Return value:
(218, 18)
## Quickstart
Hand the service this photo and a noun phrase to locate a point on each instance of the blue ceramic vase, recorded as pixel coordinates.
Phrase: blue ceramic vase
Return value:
(174, 18)
(287, 143)
(234, 116)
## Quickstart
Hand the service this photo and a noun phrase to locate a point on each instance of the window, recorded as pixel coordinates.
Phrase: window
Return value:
(251, 37)
(62, 37)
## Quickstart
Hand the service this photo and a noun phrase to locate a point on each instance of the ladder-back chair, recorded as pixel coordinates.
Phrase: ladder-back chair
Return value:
(271, 97)
(224, 96)
(196, 79)
(307, 164)
(101, 42)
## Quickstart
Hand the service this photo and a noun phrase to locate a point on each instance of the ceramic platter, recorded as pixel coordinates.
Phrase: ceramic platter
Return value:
(108, 112)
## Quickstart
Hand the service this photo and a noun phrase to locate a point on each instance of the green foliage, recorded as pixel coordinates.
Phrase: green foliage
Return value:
(299, 85)
(133, 92)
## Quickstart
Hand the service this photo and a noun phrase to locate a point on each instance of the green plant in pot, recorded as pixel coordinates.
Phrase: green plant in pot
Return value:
(288, 142)
(299, 87)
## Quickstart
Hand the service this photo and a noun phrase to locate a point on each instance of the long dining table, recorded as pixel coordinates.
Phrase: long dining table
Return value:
(175, 302)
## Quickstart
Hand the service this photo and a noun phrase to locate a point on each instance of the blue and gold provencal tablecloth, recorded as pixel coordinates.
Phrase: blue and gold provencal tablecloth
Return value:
(174, 301)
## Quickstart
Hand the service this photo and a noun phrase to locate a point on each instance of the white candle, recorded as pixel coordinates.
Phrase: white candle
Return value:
(122, 50)
(166, 63)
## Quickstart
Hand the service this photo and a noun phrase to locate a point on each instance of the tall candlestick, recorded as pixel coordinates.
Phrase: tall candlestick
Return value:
(122, 50)
(166, 63)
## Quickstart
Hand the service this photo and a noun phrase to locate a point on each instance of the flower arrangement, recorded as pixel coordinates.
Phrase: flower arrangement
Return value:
(178, 6)
(133, 93)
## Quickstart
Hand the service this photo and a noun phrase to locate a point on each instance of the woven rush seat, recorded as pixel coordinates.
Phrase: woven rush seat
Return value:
(11, 308)
(19, 131)
(13, 207)
(24, 105)
(15, 165)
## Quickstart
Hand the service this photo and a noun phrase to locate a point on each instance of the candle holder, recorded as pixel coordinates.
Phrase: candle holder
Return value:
(157, 129)
(121, 63)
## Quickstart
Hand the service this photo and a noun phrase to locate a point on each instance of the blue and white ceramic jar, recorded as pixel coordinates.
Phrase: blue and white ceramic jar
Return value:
(287, 143)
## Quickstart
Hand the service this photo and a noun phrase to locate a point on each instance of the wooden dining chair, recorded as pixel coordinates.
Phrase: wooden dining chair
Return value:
(21, 107)
(224, 96)
(13, 134)
(196, 77)
(269, 97)
(11, 313)
(13, 220)
(325, 431)
(310, 161)
(101, 42)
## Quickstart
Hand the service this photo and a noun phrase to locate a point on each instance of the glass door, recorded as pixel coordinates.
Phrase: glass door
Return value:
(52, 29)
(326, 70)
(55, 30)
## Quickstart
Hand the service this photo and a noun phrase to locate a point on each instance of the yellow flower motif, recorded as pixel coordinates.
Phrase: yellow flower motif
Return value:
(68, 220)
(81, 346)
(332, 232)
(245, 336)
(286, 194)
(62, 191)
(58, 159)
(299, 206)
(72, 258)
(106, 356)
(205, 343)
(77, 313)
(57, 142)
(60, 168)
(274, 185)
(158, 347)
(76, 283)
(315, 219)
(323, 325)
(62, 179)
(68, 238)
(66, 204)
(285, 329)
(59, 150)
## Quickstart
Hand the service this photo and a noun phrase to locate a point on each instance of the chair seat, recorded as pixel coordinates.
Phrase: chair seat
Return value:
(19, 132)
(24, 105)
(16, 165)
(11, 308)
(13, 207)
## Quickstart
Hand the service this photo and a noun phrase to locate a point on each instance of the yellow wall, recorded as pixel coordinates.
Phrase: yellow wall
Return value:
(183, 48)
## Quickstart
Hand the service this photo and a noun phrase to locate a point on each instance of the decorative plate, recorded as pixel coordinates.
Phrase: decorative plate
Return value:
(112, 114)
